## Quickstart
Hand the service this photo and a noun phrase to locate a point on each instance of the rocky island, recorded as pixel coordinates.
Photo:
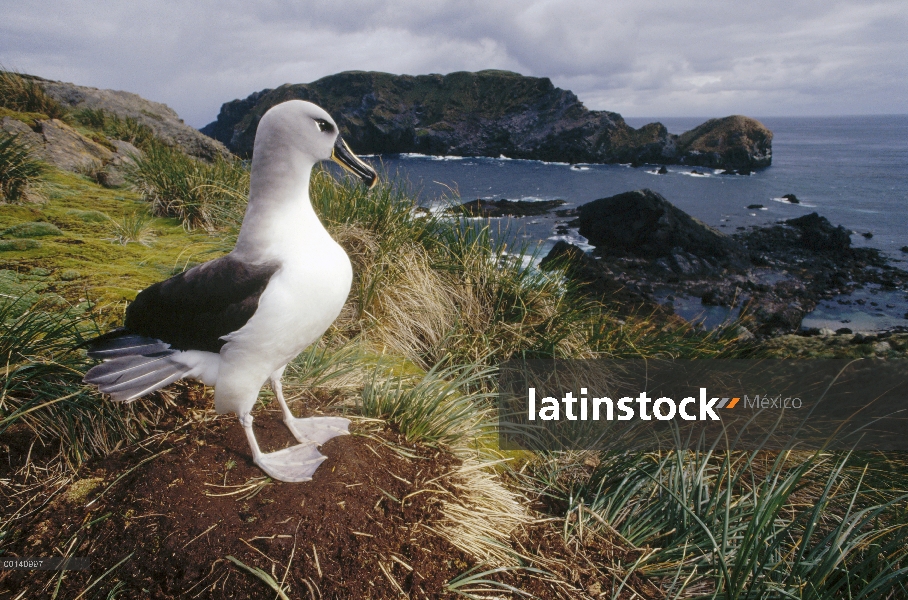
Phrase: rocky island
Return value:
(493, 113)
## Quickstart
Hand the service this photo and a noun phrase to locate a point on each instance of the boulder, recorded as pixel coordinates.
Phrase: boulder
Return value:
(792, 199)
(114, 173)
(23, 132)
(662, 170)
(644, 224)
(818, 234)
(775, 316)
(66, 148)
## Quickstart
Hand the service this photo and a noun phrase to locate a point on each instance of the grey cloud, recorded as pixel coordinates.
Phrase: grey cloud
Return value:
(640, 58)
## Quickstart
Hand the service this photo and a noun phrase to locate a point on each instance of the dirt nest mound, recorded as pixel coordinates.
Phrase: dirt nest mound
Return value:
(175, 507)
(186, 514)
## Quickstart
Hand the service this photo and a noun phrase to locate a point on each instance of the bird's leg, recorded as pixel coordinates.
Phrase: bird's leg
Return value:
(246, 422)
(278, 389)
(316, 430)
(293, 464)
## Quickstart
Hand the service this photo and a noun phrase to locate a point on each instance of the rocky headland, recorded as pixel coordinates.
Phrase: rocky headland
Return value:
(493, 113)
(646, 249)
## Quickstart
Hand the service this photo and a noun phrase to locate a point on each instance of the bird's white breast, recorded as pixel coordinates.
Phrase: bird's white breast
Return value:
(298, 305)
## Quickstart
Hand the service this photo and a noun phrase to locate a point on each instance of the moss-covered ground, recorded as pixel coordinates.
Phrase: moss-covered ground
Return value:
(73, 252)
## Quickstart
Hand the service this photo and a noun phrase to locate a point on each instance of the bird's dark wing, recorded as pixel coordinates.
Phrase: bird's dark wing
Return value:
(193, 310)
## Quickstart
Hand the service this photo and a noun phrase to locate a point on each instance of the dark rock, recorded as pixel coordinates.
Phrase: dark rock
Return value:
(696, 172)
(843, 331)
(858, 339)
(563, 252)
(868, 235)
(754, 206)
(491, 113)
(775, 316)
(904, 249)
(818, 234)
(729, 172)
(716, 297)
(792, 199)
(662, 170)
(744, 171)
(504, 207)
(644, 224)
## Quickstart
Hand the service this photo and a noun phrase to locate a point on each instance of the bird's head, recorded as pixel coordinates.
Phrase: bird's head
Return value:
(310, 130)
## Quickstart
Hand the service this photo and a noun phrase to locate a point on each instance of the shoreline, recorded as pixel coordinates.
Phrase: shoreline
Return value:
(773, 277)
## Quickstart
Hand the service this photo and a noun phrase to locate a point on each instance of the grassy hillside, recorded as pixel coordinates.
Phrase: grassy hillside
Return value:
(419, 501)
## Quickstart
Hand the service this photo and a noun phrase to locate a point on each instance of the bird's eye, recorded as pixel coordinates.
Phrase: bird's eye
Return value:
(324, 125)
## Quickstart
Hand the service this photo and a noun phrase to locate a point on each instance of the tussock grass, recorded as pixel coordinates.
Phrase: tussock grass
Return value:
(744, 524)
(194, 191)
(480, 517)
(429, 289)
(42, 384)
(21, 174)
(136, 227)
(447, 405)
(127, 129)
(24, 94)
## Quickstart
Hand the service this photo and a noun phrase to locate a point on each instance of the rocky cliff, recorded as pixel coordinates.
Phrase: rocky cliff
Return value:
(493, 113)
(162, 119)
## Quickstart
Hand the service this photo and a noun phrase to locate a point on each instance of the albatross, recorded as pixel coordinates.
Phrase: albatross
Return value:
(237, 321)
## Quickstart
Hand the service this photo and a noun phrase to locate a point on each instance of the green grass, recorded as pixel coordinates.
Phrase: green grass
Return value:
(110, 273)
(21, 173)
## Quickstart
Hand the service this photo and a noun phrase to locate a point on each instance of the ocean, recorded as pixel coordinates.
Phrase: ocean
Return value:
(851, 170)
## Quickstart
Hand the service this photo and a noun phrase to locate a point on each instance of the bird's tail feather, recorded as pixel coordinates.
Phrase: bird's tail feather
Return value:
(133, 365)
(128, 344)
(129, 377)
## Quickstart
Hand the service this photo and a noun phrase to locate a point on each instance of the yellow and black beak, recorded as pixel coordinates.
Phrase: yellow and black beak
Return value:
(342, 155)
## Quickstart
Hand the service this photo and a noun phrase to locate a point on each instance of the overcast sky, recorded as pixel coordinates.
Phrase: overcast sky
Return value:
(637, 57)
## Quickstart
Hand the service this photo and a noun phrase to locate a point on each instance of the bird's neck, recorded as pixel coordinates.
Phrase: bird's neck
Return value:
(279, 218)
